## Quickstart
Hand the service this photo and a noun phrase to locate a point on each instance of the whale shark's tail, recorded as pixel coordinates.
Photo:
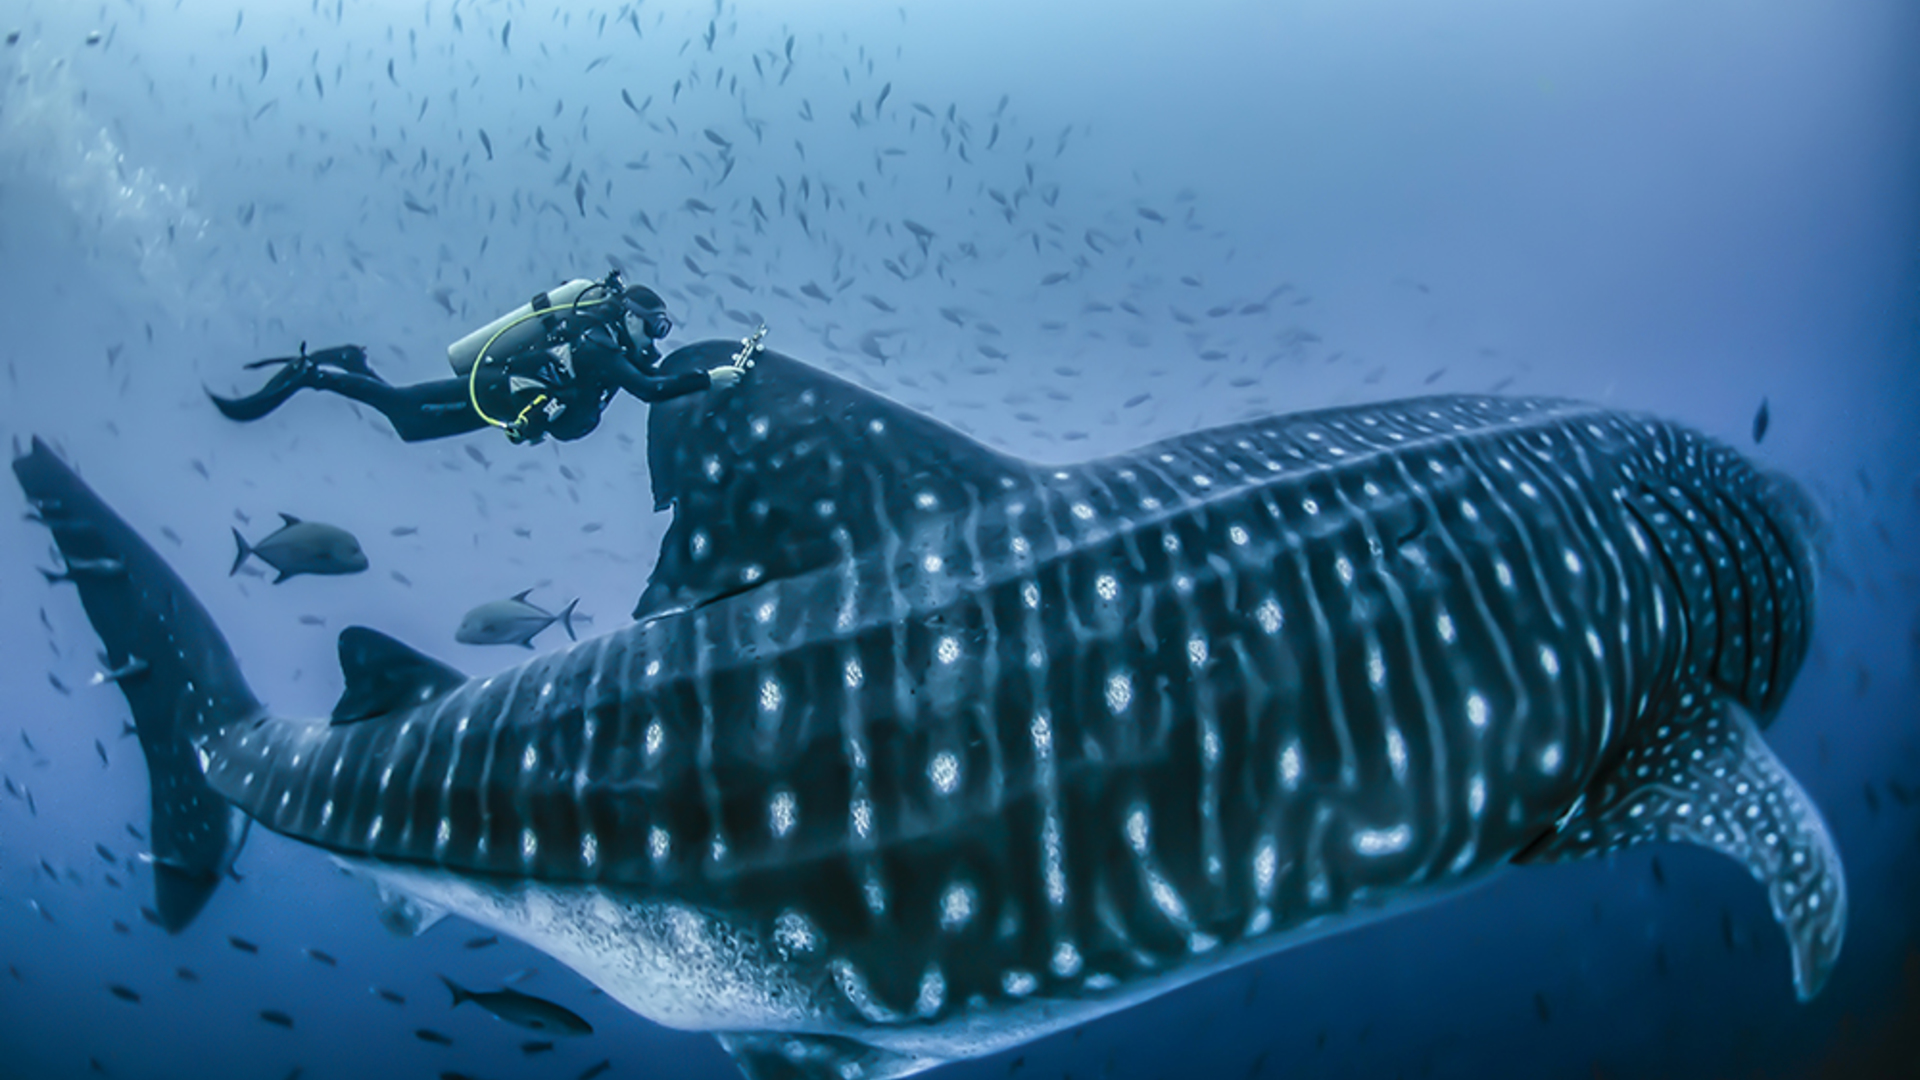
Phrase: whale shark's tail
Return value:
(172, 663)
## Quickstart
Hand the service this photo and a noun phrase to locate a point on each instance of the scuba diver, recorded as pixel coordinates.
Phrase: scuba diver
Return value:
(547, 368)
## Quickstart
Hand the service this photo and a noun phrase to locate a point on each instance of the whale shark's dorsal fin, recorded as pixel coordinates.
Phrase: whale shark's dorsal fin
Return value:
(790, 471)
(1697, 771)
(384, 675)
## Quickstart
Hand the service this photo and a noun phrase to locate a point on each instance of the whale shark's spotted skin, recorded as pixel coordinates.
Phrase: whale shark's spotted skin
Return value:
(923, 751)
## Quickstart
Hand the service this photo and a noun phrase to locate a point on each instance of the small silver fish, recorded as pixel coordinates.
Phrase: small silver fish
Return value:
(512, 621)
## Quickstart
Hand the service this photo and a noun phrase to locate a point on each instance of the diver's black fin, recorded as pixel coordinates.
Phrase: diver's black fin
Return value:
(790, 471)
(283, 385)
(349, 358)
(191, 683)
(1697, 771)
(384, 675)
(783, 1055)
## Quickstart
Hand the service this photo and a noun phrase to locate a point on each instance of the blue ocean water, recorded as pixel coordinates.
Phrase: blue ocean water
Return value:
(1068, 230)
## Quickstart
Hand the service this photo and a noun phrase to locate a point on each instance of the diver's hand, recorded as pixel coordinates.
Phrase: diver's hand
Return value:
(725, 376)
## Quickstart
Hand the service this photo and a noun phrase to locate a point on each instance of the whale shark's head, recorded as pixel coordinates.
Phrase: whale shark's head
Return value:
(1807, 522)
(1740, 545)
(1804, 531)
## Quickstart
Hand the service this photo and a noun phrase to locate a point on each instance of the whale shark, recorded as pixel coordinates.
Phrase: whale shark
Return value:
(916, 751)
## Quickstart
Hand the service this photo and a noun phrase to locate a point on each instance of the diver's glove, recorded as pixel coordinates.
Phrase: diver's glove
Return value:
(725, 375)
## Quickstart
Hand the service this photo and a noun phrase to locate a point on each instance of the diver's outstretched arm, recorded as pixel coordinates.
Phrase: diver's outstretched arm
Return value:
(653, 388)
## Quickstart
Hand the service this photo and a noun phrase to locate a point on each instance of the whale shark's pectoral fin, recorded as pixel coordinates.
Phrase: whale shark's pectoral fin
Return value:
(778, 1055)
(1701, 773)
(384, 675)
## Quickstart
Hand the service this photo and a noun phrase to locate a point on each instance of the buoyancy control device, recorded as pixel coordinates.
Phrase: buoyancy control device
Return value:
(528, 325)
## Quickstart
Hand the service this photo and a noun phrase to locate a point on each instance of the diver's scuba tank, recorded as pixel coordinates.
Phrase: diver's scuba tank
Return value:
(522, 327)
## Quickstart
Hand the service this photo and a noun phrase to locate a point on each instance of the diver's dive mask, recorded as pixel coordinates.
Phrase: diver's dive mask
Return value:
(645, 307)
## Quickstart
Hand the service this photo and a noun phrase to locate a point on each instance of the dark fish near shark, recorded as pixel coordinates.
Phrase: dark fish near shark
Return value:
(525, 1010)
(302, 547)
(919, 751)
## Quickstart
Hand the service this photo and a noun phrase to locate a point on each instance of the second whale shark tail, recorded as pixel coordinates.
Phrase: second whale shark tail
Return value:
(162, 649)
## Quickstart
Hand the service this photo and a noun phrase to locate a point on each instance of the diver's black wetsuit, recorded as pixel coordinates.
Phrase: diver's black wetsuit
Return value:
(550, 391)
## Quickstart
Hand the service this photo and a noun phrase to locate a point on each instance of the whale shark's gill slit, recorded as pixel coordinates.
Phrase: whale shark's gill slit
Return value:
(1733, 667)
(1785, 599)
(1701, 601)
(1772, 551)
(1658, 550)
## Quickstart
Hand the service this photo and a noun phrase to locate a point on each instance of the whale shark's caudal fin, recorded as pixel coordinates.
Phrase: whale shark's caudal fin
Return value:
(182, 678)
(1697, 771)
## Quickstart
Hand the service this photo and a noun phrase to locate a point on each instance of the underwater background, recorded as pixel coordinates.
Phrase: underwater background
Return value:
(1128, 221)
